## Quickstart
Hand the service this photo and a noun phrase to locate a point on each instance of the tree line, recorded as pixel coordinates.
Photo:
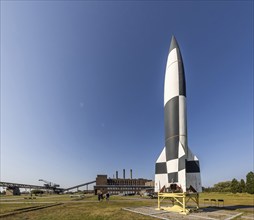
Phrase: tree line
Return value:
(234, 186)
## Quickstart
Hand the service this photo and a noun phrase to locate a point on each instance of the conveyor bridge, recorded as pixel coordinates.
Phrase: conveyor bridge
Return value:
(29, 186)
(80, 185)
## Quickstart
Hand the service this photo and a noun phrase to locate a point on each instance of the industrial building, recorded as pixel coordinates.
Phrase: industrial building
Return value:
(125, 186)
(104, 184)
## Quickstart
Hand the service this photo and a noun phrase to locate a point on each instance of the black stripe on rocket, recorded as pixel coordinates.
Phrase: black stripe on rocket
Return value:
(171, 117)
(161, 168)
(182, 83)
(192, 167)
(173, 177)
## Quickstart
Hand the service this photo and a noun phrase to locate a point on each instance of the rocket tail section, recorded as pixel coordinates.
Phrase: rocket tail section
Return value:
(183, 171)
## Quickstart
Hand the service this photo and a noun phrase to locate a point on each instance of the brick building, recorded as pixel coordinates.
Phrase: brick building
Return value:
(117, 185)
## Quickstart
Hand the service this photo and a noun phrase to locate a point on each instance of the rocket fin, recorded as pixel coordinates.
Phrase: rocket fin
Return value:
(181, 151)
(162, 157)
(161, 176)
(193, 178)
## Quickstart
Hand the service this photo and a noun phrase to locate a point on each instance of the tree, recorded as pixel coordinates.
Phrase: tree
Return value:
(250, 183)
(222, 186)
(36, 191)
(242, 186)
(234, 186)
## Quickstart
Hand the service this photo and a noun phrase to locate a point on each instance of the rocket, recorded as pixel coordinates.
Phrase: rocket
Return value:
(176, 166)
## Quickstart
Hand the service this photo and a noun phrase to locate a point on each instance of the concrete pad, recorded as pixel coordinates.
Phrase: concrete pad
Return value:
(206, 213)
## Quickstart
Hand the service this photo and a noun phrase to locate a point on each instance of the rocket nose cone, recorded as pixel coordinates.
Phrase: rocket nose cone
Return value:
(173, 44)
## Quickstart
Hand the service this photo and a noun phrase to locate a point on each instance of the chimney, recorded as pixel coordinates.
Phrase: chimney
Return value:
(116, 174)
(131, 173)
(124, 173)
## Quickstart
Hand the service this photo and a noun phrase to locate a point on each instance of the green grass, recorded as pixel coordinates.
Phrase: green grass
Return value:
(90, 208)
(230, 199)
(86, 209)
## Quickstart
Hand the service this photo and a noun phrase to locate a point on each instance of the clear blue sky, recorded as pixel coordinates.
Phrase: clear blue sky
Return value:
(82, 87)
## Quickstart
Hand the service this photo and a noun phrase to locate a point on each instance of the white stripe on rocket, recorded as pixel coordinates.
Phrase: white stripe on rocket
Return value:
(182, 179)
(160, 181)
(172, 166)
(182, 116)
(162, 157)
(171, 85)
(181, 151)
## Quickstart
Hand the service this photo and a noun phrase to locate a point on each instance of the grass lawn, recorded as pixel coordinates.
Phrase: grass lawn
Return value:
(90, 208)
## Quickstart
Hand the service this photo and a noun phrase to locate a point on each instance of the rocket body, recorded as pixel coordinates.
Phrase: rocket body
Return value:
(176, 163)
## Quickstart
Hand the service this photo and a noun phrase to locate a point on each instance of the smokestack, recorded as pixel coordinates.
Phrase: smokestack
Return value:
(131, 173)
(124, 173)
(116, 174)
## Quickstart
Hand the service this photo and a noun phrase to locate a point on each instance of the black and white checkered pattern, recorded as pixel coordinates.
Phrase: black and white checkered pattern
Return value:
(176, 163)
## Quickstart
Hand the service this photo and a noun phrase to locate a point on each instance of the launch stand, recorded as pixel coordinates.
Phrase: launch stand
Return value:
(179, 201)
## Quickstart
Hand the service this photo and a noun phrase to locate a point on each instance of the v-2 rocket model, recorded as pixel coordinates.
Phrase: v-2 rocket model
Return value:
(176, 165)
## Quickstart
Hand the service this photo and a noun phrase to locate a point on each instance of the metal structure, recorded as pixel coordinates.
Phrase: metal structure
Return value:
(179, 201)
(52, 186)
(15, 187)
(21, 185)
(49, 184)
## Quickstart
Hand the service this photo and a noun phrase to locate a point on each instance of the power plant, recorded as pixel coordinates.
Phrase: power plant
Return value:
(114, 186)
(125, 186)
